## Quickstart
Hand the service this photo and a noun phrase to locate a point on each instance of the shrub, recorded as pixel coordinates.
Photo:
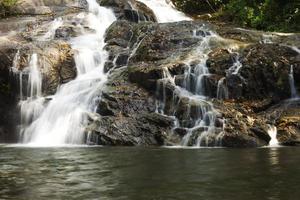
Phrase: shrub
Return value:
(198, 6)
(6, 7)
(270, 15)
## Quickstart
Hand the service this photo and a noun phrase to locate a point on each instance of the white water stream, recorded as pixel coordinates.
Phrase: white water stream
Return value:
(273, 134)
(165, 11)
(294, 93)
(54, 25)
(62, 120)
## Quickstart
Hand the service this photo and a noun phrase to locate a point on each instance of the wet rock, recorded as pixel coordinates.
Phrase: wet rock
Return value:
(264, 72)
(104, 109)
(160, 120)
(254, 36)
(55, 61)
(241, 127)
(131, 10)
(46, 7)
(65, 32)
(146, 75)
(235, 87)
(167, 40)
(240, 141)
(204, 136)
(9, 93)
(180, 132)
(8, 105)
(286, 117)
(122, 59)
(134, 121)
(260, 133)
(210, 83)
(219, 61)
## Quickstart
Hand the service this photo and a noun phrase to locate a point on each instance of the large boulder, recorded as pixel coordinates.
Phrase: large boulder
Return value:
(55, 62)
(286, 117)
(46, 7)
(242, 127)
(130, 10)
(127, 115)
(263, 73)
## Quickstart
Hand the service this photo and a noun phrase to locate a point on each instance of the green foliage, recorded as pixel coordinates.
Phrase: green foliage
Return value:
(271, 15)
(198, 6)
(6, 7)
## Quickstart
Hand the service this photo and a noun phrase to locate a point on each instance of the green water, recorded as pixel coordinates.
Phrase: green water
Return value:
(149, 173)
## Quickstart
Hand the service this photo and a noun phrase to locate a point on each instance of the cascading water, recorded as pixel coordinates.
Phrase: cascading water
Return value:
(31, 100)
(222, 90)
(294, 94)
(165, 11)
(35, 77)
(53, 27)
(199, 119)
(237, 65)
(273, 134)
(62, 120)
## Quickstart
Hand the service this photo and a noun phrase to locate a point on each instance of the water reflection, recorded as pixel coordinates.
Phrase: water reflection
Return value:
(137, 173)
(274, 156)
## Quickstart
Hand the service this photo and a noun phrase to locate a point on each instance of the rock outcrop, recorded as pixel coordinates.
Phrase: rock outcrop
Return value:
(151, 96)
(130, 10)
(127, 115)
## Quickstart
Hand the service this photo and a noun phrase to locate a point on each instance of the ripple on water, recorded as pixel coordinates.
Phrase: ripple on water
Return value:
(148, 173)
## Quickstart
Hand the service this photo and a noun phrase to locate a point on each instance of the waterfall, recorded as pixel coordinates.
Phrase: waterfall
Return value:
(199, 118)
(31, 102)
(222, 90)
(15, 71)
(63, 119)
(237, 65)
(35, 77)
(273, 134)
(294, 94)
(165, 11)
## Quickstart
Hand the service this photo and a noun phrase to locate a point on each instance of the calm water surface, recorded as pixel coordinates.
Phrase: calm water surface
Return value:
(146, 173)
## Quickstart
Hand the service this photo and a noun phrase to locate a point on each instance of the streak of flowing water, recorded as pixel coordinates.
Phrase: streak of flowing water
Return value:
(273, 134)
(35, 77)
(237, 65)
(55, 24)
(15, 71)
(165, 11)
(63, 119)
(31, 103)
(294, 93)
(222, 90)
(296, 49)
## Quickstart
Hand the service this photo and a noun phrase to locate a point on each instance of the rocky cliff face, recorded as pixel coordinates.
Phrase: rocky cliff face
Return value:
(247, 85)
